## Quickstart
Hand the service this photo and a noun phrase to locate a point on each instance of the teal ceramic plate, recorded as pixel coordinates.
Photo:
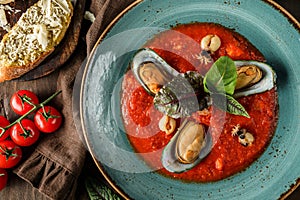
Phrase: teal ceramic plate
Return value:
(271, 29)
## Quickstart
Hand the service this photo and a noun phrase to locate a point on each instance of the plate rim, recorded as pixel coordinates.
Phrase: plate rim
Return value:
(123, 194)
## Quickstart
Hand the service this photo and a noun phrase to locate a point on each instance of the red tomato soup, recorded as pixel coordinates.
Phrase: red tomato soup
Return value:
(180, 47)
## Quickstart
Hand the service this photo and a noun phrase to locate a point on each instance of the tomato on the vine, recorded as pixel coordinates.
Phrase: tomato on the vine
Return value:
(24, 135)
(3, 178)
(3, 133)
(22, 101)
(10, 154)
(48, 119)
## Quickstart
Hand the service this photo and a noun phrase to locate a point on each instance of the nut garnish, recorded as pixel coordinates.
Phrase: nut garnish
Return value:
(167, 124)
(211, 43)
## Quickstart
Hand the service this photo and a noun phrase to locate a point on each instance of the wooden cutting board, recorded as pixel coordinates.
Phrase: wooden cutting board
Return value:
(63, 51)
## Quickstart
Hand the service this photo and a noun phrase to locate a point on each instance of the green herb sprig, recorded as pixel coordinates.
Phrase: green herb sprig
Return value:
(99, 190)
(190, 92)
(220, 82)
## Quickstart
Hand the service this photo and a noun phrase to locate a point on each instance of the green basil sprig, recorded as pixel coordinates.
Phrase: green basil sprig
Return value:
(221, 78)
(220, 82)
(190, 92)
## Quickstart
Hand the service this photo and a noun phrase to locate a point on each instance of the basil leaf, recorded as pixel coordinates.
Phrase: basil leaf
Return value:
(229, 104)
(221, 78)
(98, 190)
(182, 96)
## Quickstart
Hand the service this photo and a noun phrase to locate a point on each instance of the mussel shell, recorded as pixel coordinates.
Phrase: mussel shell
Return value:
(170, 159)
(145, 57)
(266, 83)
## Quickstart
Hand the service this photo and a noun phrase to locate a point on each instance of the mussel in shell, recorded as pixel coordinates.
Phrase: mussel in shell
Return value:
(151, 70)
(253, 77)
(187, 148)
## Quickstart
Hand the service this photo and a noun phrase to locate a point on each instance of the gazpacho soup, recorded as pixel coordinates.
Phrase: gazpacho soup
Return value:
(199, 103)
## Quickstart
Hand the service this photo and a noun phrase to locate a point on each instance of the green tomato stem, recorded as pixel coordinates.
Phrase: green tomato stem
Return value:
(35, 107)
(27, 101)
(8, 152)
(2, 131)
(26, 133)
(22, 127)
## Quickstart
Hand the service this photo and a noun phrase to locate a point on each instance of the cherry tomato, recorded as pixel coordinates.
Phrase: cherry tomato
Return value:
(24, 135)
(21, 101)
(3, 123)
(48, 119)
(10, 154)
(3, 178)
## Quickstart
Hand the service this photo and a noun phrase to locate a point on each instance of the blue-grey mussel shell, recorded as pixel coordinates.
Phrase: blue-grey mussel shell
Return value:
(151, 70)
(187, 148)
(265, 82)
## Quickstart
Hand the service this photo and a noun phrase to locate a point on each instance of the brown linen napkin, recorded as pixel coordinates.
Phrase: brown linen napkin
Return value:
(57, 161)
(53, 168)
(105, 11)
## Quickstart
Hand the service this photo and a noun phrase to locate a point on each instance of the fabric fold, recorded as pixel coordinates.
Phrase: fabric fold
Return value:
(51, 178)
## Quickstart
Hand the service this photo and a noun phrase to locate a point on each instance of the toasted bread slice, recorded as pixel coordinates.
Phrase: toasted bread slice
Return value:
(36, 34)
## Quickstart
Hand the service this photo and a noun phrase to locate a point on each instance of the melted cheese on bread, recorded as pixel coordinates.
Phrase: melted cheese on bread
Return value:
(36, 33)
